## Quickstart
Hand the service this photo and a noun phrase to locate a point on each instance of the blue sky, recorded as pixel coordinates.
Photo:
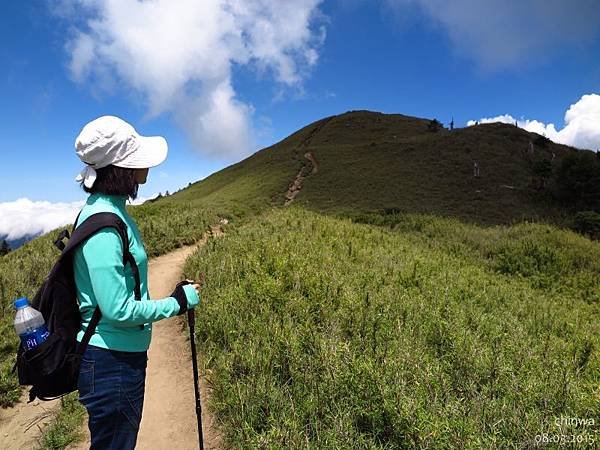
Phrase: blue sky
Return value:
(221, 79)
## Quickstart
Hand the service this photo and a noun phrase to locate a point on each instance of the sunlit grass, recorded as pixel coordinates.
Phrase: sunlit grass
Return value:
(331, 334)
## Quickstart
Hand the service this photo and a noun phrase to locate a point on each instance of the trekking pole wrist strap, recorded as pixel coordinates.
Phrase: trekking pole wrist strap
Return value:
(179, 294)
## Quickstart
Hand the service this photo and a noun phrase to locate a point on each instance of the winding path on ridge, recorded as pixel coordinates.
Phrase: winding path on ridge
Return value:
(169, 414)
(308, 168)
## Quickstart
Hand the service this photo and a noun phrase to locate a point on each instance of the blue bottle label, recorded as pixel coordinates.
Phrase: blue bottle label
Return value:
(34, 338)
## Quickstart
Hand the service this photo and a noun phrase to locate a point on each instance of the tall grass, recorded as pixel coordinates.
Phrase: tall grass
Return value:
(65, 429)
(542, 254)
(323, 333)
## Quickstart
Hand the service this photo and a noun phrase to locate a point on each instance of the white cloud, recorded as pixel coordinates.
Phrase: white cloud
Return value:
(24, 217)
(82, 55)
(141, 200)
(500, 33)
(582, 124)
(180, 56)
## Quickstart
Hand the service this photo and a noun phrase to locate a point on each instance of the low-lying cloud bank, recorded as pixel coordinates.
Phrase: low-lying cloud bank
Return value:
(582, 124)
(25, 217)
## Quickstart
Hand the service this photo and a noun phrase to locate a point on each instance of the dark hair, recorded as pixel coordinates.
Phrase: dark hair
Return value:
(113, 180)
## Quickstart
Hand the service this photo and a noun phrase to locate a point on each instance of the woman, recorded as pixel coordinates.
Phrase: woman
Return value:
(113, 369)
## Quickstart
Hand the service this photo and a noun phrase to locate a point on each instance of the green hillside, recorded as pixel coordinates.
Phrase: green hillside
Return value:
(397, 302)
(370, 161)
(426, 333)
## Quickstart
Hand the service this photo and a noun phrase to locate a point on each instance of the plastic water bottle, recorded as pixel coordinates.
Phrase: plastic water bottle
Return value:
(29, 325)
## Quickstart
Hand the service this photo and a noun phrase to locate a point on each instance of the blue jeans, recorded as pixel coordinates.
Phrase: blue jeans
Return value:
(111, 387)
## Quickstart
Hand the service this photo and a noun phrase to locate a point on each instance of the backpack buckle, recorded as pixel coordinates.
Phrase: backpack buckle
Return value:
(59, 242)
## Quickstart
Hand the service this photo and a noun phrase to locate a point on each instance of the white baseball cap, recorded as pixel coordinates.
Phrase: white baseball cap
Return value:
(110, 140)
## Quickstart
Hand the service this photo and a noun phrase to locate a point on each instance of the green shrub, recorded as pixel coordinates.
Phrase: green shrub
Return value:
(65, 428)
(434, 126)
(542, 168)
(577, 181)
(588, 223)
(542, 141)
(530, 258)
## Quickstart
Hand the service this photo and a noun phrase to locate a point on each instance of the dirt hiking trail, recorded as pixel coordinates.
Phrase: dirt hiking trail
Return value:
(169, 414)
(21, 426)
(308, 168)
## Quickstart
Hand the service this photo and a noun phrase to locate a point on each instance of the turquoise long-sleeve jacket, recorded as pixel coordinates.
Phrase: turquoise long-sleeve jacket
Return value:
(102, 280)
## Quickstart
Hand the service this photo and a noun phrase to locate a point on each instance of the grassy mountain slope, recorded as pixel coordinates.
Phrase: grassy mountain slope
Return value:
(382, 162)
(427, 333)
(298, 306)
(250, 185)
(370, 161)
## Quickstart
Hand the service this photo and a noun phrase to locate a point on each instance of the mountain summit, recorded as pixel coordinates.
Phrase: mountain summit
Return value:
(363, 161)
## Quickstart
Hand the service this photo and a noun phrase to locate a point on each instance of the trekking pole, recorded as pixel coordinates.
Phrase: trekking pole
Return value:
(192, 324)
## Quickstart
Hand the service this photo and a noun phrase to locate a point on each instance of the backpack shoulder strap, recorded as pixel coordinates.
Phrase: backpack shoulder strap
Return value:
(89, 331)
(65, 234)
(96, 222)
(88, 227)
(76, 220)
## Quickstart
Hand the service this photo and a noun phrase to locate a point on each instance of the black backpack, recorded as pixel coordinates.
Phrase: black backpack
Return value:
(52, 368)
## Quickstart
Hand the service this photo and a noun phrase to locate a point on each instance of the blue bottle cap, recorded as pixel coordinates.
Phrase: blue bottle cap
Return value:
(21, 302)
